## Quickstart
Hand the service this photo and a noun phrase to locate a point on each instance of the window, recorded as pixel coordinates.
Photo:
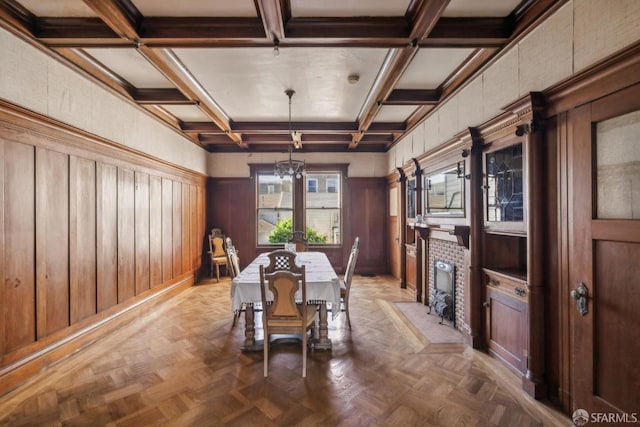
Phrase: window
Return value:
(322, 209)
(332, 185)
(275, 204)
(312, 185)
(312, 203)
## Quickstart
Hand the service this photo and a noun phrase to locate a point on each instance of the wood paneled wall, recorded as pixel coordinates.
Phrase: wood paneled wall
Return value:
(231, 206)
(87, 231)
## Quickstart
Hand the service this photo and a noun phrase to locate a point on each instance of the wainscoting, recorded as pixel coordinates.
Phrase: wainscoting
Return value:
(89, 230)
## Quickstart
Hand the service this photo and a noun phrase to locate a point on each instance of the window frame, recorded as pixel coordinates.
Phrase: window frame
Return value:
(299, 202)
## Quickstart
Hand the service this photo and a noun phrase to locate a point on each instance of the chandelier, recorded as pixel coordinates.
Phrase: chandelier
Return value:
(291, 167)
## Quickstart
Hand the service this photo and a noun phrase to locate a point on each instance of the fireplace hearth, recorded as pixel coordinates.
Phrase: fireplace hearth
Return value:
(443, 298)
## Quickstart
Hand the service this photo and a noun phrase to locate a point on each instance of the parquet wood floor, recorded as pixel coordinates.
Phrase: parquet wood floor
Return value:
(182, 366)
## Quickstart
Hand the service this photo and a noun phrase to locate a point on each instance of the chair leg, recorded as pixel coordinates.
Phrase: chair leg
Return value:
(346, 305)
(265, 355)
(304, 354)
(218, 272)
(236, 315)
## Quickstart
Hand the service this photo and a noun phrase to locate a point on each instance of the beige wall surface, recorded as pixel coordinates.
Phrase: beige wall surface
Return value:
(237, 164)
(579, 34)
(33, 80)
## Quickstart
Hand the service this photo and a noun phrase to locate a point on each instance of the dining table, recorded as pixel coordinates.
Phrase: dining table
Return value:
(323, 286)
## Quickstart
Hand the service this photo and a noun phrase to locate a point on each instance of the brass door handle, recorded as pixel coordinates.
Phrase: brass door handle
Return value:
(581, 295)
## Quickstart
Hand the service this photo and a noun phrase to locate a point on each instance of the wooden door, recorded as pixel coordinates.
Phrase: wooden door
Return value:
(394, 231)
(604, 250)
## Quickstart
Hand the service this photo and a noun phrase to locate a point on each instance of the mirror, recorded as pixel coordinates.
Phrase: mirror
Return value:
(444, 191)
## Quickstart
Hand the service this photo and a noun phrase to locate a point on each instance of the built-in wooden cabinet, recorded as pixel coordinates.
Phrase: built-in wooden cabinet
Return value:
(505, 250)
(506, 317)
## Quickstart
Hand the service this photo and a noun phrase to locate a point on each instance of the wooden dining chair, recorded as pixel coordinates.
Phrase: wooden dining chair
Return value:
(345, 286)
(282, 259)
(232, 257)
(217, 253)
(299, 238)
(283, 315)
(233, 266)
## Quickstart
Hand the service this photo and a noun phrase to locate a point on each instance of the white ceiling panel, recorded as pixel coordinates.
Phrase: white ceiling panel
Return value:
(187, 113)
(182, 8)
(394, 113)
(342, 8)
(480, 8)
(131, 66)
(249, 83)
(58, 8)
(430, 67)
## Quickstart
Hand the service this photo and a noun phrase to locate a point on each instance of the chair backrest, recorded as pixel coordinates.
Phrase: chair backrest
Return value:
(351, 267)
(300, 239)
(283, 286)
(232, 258)
(216, 243)
(282, 260)
(356, 243)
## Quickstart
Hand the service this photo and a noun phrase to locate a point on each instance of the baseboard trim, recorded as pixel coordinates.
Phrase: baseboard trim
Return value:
(26, 367)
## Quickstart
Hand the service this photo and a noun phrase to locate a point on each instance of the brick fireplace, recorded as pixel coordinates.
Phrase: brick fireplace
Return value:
(454, 254)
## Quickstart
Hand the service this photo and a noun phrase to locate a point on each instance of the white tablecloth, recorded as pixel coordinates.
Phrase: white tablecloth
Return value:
(322, 280)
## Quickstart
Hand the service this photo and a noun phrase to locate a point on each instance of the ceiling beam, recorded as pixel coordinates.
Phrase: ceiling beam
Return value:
(273, 19)
(465, 32)
(177, 74)
(305, 127)
(163, 96)
(125, 26)
(348, 28)
(98, 71)
(120, 15)
(423, 15)
(412, 97)
(202, 31)
(17, 16)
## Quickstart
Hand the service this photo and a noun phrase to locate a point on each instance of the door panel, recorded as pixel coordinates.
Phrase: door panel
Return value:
(615, 327)
(604, 168)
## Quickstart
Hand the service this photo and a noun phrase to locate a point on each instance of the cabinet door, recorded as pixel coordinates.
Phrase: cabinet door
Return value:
(504, 195)
(506, 328)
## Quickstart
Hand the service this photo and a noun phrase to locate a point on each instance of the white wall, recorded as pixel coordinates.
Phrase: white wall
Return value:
(578, 35)
(33, 80)
(237, 164)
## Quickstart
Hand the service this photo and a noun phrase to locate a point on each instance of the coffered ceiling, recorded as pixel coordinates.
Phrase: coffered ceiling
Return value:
(364, 71)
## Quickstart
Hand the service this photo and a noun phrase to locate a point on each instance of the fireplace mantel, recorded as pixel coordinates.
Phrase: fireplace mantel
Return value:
(461, 232)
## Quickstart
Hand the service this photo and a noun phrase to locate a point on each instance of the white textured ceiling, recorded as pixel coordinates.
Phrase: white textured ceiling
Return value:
(333, 8)
(58, 8)
(249, 83)
(225, 8)
(431, 66)
(131, 66)
(484, 8)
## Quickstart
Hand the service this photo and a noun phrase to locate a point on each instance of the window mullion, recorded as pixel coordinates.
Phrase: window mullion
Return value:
(298, 204)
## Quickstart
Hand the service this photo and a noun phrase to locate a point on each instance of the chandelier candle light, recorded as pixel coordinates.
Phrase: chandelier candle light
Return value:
(291, 167)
